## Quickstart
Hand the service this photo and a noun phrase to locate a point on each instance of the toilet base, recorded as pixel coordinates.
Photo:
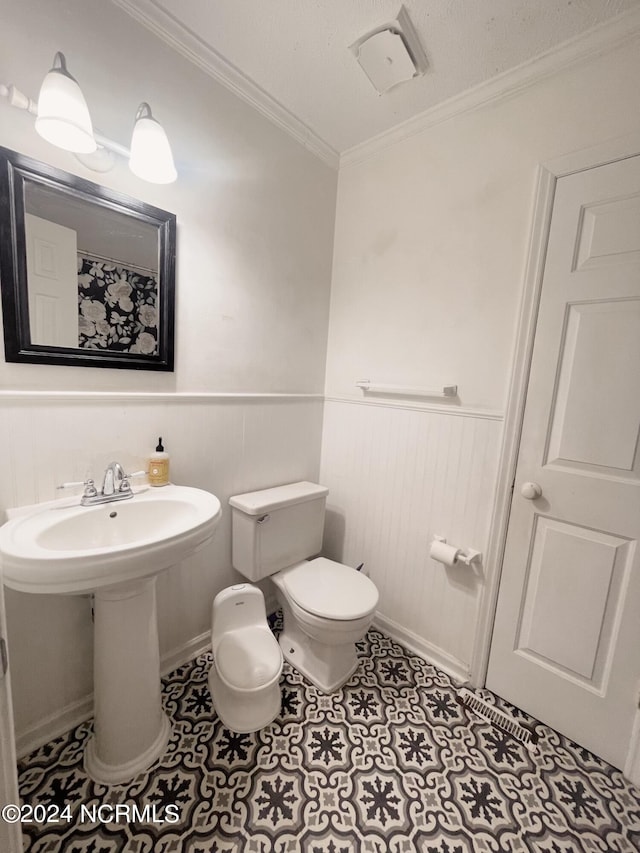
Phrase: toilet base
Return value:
(326, 667)
(244, 712)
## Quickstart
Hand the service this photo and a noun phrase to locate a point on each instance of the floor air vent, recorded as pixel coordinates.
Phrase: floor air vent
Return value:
(496, 717)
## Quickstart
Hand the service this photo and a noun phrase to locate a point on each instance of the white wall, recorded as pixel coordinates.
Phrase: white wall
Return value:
(255, 215)
(226, 445)
(431, 241)
(254, 208)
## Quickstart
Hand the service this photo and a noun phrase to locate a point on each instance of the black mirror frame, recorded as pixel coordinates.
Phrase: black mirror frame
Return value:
(15, 169)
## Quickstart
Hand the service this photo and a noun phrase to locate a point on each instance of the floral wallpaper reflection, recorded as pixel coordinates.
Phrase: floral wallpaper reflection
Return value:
(118, 307)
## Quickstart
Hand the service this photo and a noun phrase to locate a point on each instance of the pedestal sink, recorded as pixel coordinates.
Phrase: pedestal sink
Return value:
(116, 551)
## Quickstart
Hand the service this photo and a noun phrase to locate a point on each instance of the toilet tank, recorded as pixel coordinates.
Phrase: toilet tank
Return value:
(275, 528)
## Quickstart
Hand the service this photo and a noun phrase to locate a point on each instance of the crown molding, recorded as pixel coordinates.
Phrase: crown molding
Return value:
(601, 39)
(181, 39)
(607, 36)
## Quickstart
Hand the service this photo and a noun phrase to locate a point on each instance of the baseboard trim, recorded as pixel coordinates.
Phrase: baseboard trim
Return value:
(72, 715)
(185, 653)
(80, 711)
(455, 668)
(54, 725)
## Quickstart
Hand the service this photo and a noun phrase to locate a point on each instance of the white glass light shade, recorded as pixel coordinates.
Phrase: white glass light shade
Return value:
(63, 116)
(151, 158)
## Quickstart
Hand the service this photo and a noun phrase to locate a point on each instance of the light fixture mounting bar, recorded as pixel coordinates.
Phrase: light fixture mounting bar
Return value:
(17, 98)
(63, 119)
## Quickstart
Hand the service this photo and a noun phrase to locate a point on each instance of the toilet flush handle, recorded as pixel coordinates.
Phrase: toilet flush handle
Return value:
(263, 518)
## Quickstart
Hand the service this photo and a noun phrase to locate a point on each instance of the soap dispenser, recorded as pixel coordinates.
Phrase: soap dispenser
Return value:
(159, 466)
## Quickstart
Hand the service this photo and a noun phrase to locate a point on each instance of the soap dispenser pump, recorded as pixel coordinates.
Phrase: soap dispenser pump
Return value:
(159, 466)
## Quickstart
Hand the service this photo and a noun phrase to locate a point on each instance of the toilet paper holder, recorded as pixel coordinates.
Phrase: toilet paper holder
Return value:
(468, 556)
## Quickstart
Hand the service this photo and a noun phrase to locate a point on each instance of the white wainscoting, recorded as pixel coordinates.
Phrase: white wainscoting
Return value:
(398, 475)
(226, 444)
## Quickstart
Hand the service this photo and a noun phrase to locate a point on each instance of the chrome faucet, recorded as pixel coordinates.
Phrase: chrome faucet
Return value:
(114, 479)
(116, 486)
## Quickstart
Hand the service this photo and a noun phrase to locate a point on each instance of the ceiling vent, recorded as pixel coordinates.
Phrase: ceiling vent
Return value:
(391, 54)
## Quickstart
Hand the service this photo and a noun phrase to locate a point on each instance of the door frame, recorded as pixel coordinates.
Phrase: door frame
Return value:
(10, 833)
(548, 173)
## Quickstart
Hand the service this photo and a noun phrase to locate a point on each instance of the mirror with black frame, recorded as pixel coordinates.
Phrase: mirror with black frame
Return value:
(87, 274)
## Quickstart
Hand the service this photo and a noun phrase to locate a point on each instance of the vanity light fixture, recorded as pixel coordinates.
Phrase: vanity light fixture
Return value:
(63, 115)
(62, 118)
(151, 157)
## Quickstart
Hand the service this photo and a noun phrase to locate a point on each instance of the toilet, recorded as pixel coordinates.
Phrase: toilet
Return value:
(327, 607)
(247, 661)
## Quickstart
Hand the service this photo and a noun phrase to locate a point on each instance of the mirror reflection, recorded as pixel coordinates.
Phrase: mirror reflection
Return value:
(92, 275)
(89, 279)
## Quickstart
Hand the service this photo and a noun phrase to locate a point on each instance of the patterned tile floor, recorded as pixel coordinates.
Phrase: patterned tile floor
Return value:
(389, 763)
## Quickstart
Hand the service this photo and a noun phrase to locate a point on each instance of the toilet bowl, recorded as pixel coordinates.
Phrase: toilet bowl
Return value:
(247, 661)
(327, 608)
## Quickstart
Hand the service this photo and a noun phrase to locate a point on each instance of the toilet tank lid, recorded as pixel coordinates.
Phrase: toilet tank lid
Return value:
(268, 500)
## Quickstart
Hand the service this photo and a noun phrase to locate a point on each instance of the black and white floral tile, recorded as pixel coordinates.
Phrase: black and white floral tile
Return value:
(391, 762)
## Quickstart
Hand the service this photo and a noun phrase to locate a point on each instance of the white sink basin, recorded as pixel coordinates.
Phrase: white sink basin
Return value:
(56, 547)
(114, 550)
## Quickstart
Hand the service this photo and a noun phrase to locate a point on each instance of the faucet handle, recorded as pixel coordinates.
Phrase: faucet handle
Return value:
(125, 485)
(89, 487)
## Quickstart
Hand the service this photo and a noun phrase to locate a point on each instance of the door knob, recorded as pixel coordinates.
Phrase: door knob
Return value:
(530, 491)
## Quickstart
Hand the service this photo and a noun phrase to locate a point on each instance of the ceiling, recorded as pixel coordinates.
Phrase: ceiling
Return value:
(291, 58)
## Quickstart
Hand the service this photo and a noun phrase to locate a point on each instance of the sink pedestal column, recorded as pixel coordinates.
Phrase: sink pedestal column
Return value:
(130, 728)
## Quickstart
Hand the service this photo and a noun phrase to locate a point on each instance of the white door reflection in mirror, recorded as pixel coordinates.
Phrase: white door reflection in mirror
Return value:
(52, 271)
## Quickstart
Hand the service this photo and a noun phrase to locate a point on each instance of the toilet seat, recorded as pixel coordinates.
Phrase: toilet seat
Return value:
(329, 589)
(248, 659)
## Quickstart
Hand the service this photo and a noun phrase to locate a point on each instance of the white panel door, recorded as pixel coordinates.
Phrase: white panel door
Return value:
(566, 641)
(52, 272)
